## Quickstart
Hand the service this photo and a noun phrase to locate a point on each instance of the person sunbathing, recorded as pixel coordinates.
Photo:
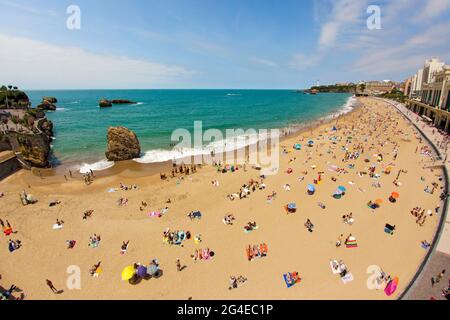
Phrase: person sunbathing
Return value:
(229, 219)
(124, 247)
(309, 225)
(70, 244)
(14, 245)
(54, 203)
(87, 214)
(251, 226)
(94, 268)
(7, 228)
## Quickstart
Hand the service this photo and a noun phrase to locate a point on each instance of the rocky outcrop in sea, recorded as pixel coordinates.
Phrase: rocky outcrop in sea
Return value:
(123, 144)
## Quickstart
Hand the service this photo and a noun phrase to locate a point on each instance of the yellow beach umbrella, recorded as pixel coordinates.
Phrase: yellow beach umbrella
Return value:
(128, 273)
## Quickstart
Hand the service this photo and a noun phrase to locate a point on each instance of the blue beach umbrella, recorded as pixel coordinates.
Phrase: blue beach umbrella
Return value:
(342, 188)
(292, 206)
(311, 188)
(298, 146)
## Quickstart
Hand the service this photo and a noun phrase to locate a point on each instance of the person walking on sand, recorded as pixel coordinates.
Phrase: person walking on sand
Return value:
(179, 265)
(440, 276)
(51, 286)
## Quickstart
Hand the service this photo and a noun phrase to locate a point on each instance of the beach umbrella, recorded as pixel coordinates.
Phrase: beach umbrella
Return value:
(141, 271)
(128, 273)
(391, 287)
(342, 188)
(310, 142)
(292, 206)
(395, 195)
(298, 146)
(311, 188)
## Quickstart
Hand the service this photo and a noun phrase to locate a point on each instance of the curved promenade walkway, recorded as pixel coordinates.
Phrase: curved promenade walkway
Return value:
(438, 257)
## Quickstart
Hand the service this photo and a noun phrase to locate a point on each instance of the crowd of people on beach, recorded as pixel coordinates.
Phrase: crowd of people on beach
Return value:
(355, 147)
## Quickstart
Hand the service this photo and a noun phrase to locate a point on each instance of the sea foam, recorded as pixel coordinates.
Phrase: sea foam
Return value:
(97, 166)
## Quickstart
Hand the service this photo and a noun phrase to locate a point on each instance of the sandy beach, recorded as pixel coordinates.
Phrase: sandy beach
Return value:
(375, 129)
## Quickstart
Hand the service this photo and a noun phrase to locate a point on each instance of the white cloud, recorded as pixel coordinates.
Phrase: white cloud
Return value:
(27, 8)
(20, 7)
(407, 56)
(433, 9)
(301, 61)
(33, 64)
(264, 62)
(344, 14)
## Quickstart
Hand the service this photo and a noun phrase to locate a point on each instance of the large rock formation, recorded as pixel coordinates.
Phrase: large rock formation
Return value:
(33, 149)
(46, 106)
(105, 103)
(51, 100)
(122, 101)
(123, 144)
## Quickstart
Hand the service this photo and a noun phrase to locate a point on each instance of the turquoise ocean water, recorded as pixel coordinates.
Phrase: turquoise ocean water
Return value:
(81, 126)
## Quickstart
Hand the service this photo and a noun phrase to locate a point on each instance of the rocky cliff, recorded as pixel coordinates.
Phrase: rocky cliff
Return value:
(34, 149)
(123, 144)
(13, 99)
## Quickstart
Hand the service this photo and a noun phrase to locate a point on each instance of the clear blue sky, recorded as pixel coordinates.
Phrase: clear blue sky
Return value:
(216, 44)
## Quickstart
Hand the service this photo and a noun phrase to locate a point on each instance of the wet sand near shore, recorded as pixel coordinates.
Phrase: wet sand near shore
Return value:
(44, 254)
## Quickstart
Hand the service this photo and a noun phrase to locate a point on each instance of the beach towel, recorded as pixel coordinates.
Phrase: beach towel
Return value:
(351, 244)
(248, 231)
(97, 272)
(205, 254)
(8, 231)
(154, 214)
(391, 287)
(264, 249)
(335, 268)
(288, 278)
(57, 226)
(347, 278)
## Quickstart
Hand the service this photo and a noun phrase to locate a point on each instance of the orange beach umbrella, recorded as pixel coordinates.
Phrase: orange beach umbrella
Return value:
(395, 195)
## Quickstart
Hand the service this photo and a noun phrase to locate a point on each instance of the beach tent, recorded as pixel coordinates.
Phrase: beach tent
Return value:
(311, 189)
(391, 287)
(298, 146)
(128, 273)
